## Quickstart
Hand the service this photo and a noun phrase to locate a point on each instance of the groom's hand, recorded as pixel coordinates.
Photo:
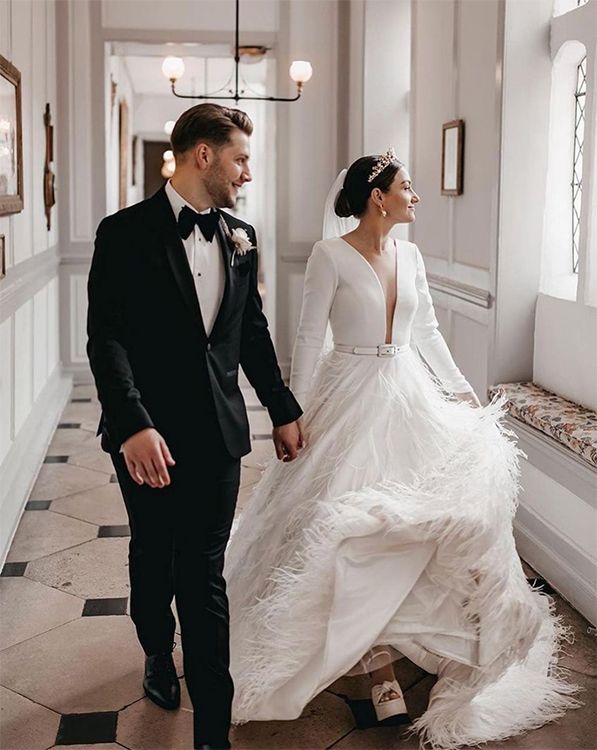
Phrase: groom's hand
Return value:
(288, 440)
(147, 458)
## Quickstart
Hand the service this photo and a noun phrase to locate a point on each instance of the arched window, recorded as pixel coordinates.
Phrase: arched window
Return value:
(563, 6)
(568, 263)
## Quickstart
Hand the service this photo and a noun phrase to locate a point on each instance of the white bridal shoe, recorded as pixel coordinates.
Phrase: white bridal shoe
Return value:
(384, 709)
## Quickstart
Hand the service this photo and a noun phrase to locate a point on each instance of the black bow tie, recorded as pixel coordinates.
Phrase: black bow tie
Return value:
(207, 223)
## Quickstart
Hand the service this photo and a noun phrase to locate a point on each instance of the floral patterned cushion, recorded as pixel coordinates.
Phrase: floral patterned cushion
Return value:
(568, 423)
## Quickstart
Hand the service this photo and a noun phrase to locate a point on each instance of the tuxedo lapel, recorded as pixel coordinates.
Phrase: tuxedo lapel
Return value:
(175, 252)
(222, 232)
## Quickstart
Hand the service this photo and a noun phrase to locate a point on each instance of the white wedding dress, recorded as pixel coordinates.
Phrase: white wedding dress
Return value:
(392, 529)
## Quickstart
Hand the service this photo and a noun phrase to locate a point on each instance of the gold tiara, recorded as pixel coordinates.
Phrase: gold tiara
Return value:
(384, 161)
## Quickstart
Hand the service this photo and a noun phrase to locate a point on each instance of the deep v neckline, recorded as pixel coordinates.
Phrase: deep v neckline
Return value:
(381, 289)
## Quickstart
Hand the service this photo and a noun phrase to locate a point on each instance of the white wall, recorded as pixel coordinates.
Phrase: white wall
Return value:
(117, 72)
(556, 522)
(82, 166)
(565, 350)
(490, 64)
(456, 50)
(306, 143)
(151, 109)
(386, 77)
(32, 388)
(543, 338)
(567, 359)
(525, 130)
(386, 82)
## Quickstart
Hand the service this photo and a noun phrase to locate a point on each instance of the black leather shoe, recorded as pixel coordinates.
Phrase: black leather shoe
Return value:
(160, 681)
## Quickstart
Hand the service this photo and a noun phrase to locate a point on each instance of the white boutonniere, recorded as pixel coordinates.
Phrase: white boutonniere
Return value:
(242, 243)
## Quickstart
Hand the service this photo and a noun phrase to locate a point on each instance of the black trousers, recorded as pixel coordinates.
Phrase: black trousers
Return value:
(178, 538)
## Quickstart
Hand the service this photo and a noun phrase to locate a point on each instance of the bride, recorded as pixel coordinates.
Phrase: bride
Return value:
(391, 534)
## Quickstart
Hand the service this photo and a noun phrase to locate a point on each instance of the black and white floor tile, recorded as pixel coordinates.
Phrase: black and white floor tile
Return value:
(71, 667)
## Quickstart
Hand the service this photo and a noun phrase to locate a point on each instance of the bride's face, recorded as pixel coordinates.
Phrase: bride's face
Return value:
(401, 199)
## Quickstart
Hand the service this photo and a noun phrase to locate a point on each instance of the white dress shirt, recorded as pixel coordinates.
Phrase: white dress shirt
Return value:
(206, 263)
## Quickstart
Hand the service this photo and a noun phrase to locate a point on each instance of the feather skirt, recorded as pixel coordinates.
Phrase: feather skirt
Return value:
(393, 530)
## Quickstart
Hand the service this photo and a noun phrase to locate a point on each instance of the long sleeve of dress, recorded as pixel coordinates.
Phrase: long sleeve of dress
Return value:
(321, 279)
(430, 342)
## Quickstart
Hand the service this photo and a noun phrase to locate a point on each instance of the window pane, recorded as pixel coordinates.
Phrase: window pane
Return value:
(579, 138)
(563, 6)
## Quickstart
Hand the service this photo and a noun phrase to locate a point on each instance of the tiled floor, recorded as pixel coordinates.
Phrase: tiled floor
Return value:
(71, 667)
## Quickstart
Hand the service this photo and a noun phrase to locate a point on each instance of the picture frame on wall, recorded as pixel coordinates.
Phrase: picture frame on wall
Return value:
(2, 256)
(49, 177)
(134, 149)
(123, 153)
(11, 139)
(452, 157)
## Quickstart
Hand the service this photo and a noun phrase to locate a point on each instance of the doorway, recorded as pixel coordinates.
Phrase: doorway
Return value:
(152, 166)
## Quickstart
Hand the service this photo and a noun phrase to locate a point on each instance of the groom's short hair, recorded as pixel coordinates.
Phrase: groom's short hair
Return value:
(209, 123)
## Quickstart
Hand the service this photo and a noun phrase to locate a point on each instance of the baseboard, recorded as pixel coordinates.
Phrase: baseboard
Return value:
(567, 569)
(81, 374)
(21, 465)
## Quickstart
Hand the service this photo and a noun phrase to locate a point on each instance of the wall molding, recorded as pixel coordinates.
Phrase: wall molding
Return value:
(472, 294)
(73, 254)
(566, 568)
(81, 374)
(294, 259)
(556, 461)
(74, 260)
(180, 36)
(80, 180)
(23, 461)
(25, 279)
(78, 318)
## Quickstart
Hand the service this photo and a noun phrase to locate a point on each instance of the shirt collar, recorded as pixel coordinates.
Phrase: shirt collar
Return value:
(177, 201)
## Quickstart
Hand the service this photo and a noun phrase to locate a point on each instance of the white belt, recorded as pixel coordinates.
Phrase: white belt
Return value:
(383, 350)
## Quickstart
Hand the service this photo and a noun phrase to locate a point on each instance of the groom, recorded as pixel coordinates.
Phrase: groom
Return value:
(173, 310)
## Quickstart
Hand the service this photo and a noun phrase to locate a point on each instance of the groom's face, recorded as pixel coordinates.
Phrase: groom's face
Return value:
(229, 170)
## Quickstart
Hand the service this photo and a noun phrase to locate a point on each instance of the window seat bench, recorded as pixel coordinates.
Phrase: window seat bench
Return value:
(571, 425)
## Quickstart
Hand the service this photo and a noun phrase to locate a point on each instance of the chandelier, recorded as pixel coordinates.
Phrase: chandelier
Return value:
(300, 72)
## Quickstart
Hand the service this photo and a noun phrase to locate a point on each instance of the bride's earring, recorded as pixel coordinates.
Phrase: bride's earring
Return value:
(384, 213)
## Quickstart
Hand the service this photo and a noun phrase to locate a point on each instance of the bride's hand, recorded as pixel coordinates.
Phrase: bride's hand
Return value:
(303, 436)
(288, 440)
(470, 397)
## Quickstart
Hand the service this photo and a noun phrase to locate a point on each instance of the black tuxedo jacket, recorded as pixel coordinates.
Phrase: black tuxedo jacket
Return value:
(153, 363)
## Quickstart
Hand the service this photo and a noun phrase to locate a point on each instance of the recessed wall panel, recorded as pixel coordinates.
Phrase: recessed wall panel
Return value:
(468, 344)
(78, 318)
(53, 325)
(477, 103)
(40, 341)
(6, 387)
(432, 97)
(21, 54)
(23, 363)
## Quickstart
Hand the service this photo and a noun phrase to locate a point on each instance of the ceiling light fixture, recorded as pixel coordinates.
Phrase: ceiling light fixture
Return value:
(300, 72)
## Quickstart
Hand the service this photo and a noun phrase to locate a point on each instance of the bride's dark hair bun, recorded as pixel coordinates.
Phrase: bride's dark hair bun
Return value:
(342, 206)
(352, 199)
